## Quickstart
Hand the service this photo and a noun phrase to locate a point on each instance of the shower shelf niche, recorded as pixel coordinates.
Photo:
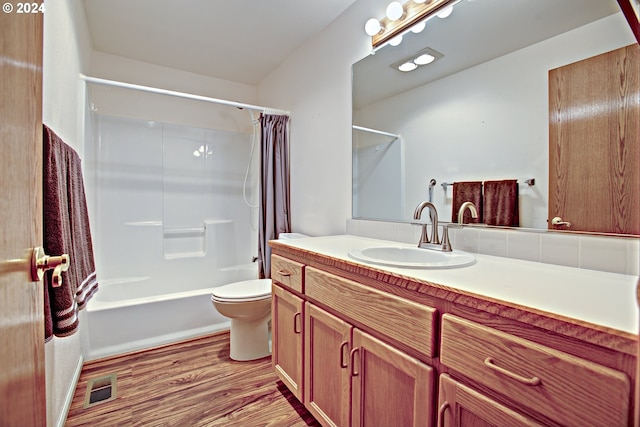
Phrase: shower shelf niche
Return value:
(190, 241)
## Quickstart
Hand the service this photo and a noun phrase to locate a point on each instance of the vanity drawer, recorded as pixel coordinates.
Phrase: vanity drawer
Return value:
(567, 389)
(399, 319)
(288, 273)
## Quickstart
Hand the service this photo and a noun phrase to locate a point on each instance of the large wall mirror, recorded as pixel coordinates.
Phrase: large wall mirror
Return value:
(481, 109)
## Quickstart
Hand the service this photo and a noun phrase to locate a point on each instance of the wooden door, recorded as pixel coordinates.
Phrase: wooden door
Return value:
(327, 384)
(461, 406)
(594, 143)
(287, 331)
(22, 380)
(389, 388)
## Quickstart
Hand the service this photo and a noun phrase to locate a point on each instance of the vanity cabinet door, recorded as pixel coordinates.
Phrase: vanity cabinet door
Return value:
(287, 325)
(460, 406)
(389, 388)
(327, 381)
(565, 388)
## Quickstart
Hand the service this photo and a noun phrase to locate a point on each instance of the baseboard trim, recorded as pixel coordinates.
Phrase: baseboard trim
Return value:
(70, 393)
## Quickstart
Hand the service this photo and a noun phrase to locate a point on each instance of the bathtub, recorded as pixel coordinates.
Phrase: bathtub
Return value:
(135, 313)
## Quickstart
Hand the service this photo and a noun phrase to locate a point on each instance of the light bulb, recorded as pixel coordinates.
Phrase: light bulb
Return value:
(396, 40)
(417, 28)
(445, 12)
(395, 11)
(407, 66)
(424, 59)
(373, 27)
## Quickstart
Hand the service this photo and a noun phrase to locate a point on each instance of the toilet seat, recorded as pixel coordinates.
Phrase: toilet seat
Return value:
(248, 290)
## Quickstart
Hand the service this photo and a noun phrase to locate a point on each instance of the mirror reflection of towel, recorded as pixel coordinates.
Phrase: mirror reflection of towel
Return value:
(501, 203)
(470, 191)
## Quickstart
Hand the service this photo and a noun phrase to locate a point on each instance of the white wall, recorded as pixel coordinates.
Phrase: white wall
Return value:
(66, 53)
(315, 85)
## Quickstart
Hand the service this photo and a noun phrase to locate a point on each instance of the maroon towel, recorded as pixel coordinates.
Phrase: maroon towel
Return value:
(470, 191)
(501, 203)
(66, 231)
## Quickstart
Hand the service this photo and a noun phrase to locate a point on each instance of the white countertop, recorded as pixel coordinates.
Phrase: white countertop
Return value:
(601, 298)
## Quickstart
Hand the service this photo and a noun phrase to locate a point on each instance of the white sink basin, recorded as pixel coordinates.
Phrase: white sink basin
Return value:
(412, 257)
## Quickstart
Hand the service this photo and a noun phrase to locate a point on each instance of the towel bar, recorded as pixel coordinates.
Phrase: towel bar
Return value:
(529, 181)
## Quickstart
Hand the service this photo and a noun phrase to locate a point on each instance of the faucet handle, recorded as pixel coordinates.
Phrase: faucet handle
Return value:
(446, 242)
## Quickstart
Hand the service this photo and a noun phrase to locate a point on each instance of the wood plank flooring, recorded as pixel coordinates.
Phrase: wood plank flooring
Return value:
(193, 383)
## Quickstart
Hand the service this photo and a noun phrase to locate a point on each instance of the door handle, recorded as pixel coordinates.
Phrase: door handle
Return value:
(35, 263)
(557, 221)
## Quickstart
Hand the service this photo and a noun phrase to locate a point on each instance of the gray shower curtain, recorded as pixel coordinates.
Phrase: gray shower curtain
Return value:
(274, 186)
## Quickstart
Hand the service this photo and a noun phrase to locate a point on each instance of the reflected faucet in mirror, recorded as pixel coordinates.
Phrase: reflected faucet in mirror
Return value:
(463, 207)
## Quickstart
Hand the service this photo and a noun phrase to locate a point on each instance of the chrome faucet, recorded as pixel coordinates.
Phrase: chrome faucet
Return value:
(472, 209)
(433, 213)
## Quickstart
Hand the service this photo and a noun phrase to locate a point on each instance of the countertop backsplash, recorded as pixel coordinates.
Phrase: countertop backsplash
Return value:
(595, 252)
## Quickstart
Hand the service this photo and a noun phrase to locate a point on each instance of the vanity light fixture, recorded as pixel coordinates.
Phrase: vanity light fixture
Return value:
(418, 27)
(402, 18)
(445, 12)
(395, 11)
(396, 40)
(373, 27)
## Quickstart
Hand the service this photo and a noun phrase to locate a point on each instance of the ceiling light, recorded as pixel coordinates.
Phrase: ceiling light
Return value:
(416, 60)
(373, 27)
(424, 59)
(418, 27)
(419, 1)
(407, 66)
(395, 11)
(396, 40)
(445, 12)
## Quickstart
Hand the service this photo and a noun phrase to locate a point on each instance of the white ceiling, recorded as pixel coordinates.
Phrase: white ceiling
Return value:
(236, 40)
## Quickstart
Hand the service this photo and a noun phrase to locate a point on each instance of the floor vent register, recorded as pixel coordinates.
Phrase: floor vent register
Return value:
(100, 390)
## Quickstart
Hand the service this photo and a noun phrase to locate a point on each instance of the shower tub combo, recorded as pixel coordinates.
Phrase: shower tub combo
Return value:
(170, 219)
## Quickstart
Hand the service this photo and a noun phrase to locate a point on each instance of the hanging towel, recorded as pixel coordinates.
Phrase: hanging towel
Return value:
(470, 191)
(501, 202)
(66, 231)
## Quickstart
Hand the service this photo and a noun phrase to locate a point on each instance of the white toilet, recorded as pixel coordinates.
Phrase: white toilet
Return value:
(248, 305)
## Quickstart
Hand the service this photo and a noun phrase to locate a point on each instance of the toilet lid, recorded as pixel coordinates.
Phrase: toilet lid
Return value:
(247, 290)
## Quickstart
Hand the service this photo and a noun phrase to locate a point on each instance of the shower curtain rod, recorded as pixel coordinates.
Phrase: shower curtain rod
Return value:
(265, 110)
(379, 132)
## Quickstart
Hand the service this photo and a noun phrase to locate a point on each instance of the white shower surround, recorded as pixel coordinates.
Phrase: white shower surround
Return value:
(169, 224)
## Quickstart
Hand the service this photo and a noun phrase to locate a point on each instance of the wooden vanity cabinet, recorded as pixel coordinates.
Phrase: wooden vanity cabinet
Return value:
(352, 378)
(564, 388)
(287, 323)
(389, 388)
(327, 380)
(286, 329)
(358, 356)
(461, 406)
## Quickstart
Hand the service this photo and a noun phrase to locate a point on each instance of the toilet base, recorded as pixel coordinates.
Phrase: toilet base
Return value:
(249, 339)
